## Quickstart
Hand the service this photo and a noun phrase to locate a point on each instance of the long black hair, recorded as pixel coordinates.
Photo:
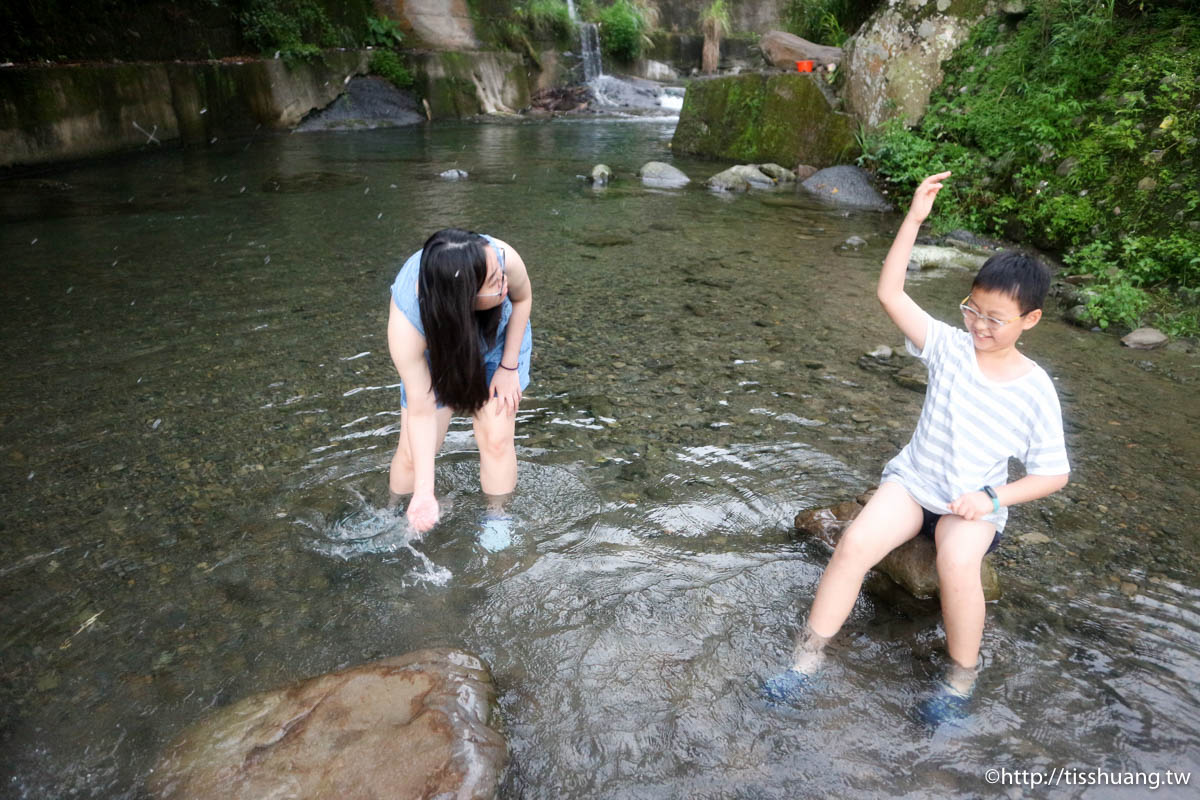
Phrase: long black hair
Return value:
(453, 269)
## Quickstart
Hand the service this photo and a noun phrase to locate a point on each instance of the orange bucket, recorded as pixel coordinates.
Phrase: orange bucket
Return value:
(804, 66)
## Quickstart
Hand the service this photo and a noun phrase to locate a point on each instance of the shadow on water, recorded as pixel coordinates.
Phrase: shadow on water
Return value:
(199, 410)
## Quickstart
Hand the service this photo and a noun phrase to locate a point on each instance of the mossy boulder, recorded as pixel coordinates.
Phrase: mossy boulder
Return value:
(894, 62)
(784, 118)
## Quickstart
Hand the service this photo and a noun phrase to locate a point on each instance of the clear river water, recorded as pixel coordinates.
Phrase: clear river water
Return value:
(198, 409)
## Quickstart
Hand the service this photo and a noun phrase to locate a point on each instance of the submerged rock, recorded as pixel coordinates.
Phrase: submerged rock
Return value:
(413, 726)
(913, 564)
(846, 186)
(1144, 339)
(453, 175)
(601, 175)
(656, 173)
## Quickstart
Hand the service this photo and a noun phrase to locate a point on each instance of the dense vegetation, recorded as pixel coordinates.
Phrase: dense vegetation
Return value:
(1076, 131)
(155, 30)
(826, 21)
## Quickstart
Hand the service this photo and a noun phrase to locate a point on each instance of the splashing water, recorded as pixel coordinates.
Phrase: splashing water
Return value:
(366, 530)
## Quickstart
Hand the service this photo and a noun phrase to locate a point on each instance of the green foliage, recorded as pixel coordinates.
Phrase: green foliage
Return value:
(825, 21)
(1076, 131)
(296, 29)
(621, 30)
(547, 19)
(388, 64)
(383, 32)
(715, 18)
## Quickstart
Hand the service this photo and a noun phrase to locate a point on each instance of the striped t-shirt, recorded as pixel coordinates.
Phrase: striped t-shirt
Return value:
(970, 425)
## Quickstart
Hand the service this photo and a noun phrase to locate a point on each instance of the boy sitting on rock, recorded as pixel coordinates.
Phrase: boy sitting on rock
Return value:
(985, 402)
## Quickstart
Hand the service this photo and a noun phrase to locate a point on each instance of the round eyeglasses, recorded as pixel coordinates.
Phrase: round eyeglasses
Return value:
(970, 315)
(503, 284)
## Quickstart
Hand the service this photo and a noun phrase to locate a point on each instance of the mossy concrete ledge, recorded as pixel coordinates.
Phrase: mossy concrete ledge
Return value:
(466, 83)
(781, 118)
(63, 112)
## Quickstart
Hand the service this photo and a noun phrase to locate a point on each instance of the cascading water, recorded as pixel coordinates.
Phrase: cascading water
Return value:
(589, 40)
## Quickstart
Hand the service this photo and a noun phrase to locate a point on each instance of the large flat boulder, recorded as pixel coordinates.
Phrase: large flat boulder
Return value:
(414, 726)
(913, 564)
(783, 50)
(757, 118)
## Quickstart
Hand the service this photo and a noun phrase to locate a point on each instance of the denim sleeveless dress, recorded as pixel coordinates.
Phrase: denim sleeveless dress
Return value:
(404, 295)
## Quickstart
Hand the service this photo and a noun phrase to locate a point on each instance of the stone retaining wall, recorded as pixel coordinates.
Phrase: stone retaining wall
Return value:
(58, 113)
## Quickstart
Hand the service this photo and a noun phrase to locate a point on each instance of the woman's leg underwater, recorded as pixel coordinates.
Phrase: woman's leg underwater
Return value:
(494, 434)
(400, 475)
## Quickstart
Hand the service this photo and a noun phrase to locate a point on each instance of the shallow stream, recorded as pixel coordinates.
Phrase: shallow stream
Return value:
(198, 410)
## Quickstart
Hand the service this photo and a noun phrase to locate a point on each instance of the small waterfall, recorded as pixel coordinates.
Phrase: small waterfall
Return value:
(571, 11)
(589, 40)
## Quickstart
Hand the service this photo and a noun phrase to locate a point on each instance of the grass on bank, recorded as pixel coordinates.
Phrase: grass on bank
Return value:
(1075, 131)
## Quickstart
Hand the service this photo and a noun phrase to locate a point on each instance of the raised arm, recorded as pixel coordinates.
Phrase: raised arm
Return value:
(407, 348)
(505, 383)
(909, 317)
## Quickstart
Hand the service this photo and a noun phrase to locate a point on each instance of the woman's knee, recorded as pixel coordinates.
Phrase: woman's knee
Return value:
(493, 443)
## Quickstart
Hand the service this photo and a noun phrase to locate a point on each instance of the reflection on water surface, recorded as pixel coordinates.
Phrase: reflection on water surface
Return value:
(199, 409)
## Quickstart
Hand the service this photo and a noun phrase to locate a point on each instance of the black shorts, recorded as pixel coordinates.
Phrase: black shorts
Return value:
(929, 527)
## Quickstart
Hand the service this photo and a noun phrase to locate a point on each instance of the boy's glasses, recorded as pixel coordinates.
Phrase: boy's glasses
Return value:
(970, 315)
(503, 280)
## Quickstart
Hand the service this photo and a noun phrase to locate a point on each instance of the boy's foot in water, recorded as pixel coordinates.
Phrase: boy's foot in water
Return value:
(788, 688)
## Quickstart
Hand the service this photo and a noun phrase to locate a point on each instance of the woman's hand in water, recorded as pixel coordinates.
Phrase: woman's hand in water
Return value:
(422, 512)
(505, 391)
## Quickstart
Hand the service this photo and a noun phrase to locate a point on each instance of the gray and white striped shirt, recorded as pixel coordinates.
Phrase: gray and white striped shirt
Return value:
(970, 425)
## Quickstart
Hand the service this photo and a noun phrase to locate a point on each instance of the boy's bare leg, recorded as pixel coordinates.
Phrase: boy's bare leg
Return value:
(890, 519)
(961, 546)
(400, 475)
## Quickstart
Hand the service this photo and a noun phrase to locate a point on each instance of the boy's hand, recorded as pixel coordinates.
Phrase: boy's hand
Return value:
(972, 506)
(922, 202)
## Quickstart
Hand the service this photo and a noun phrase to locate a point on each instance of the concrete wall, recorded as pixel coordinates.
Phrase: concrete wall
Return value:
(57, 113)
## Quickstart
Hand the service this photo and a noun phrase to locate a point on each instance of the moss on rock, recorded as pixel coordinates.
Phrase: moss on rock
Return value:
(756, 118)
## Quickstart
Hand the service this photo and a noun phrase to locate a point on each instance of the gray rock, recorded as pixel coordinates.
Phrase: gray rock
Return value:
(805, 171)
(914, 377)
(783, 50)
(601, 175)
(1147, 184)
(656, 173)
(753, 175)
(453, 175)
(913, 564)
(419, 725)
(729, 180)
(1066, 166)
(1078, 315)
(846, 186)
(929, 256)
(854, 242)
(368, 102)
(780, 174)
(1144, 339)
